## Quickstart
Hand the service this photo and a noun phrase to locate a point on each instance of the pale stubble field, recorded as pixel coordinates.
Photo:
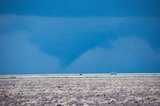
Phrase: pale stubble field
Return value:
(75, 91)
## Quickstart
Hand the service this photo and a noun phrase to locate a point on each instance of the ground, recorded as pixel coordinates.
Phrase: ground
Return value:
(80, 91)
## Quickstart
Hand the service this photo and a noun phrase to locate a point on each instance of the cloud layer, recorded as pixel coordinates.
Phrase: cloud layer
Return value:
(60, 44)
(19, 56)
(128, 54)
(81, 8)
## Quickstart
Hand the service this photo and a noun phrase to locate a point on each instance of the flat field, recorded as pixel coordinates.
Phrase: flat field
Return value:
(80, 90)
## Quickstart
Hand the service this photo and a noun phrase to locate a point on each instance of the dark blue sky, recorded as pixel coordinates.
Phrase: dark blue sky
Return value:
(81, 8)
(79, 36)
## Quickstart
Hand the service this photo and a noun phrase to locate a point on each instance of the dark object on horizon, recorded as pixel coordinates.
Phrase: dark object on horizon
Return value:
(12, 77)
(113, 73)
(80, 74)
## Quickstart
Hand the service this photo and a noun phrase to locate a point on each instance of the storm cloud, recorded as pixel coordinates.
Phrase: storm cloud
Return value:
(127, 54)
(63, 41)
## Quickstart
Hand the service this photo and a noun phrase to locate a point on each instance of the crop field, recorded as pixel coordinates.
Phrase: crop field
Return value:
(80, 90)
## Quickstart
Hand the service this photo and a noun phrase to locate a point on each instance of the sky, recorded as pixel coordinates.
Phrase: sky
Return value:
(79, 36)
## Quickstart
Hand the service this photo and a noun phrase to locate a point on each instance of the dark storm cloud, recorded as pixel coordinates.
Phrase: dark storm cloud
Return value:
(70, 38)
(81, 8)
(17, 55)
(127, 54)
